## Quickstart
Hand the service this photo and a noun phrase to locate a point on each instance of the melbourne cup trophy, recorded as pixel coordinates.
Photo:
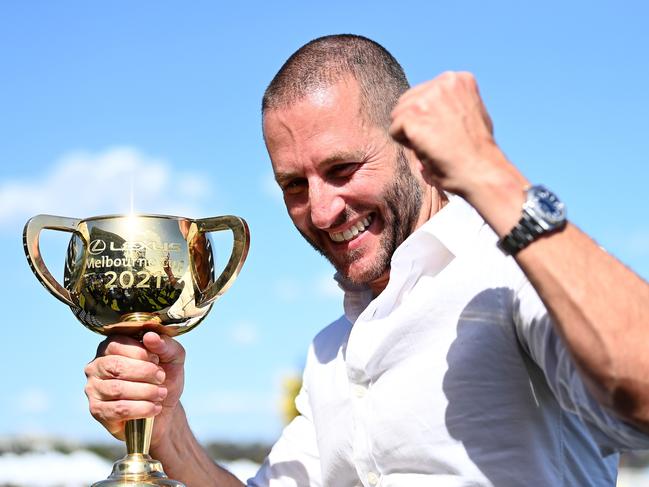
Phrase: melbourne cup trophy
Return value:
(129, 274)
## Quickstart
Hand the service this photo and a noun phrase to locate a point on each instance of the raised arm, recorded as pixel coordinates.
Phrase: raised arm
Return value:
(600, 307)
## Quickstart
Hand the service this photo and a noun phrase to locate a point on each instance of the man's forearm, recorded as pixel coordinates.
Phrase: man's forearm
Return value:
(185, 459)
(600, 307)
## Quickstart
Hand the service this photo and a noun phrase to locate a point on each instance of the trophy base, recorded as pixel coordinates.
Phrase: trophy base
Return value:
(137, 470)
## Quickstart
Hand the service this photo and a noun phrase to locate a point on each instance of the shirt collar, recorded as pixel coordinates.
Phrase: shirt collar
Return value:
(455, 226)
(430, 248)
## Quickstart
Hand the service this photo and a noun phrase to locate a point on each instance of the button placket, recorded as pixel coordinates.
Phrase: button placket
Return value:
(359, 387)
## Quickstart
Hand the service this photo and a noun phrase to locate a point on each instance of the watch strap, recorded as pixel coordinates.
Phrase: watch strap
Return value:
(523, 234)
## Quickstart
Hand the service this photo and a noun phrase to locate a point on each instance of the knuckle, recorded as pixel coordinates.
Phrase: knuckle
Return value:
(114, 389)
(114, 367)
(89, 389)
(95, 409)
(153, 409)
(121, 410)
(89, 370)
(447, 76)
(467, 76)
(421, 106)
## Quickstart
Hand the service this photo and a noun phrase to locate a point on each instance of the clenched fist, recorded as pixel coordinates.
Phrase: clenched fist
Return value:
(447, 125)
(129, 379)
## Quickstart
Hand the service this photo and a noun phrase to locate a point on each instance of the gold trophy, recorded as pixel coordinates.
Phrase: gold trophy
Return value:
(129, 274)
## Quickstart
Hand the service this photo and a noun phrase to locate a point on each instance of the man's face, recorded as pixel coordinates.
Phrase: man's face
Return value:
(348, 188)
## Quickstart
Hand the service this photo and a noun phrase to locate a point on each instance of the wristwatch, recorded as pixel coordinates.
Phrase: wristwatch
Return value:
(543, 213)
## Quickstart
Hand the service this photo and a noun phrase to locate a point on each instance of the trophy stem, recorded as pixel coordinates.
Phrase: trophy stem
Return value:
(138, 435)
(137, 468)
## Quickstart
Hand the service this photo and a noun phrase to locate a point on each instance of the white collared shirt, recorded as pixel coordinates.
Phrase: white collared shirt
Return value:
(453, 376)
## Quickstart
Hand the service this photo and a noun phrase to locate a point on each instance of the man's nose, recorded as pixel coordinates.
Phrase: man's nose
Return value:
(326, 204)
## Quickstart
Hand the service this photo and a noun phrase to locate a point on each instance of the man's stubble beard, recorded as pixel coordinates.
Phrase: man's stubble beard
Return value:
(402, 200)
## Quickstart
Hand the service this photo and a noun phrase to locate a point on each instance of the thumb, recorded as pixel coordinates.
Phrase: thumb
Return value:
(168, 349)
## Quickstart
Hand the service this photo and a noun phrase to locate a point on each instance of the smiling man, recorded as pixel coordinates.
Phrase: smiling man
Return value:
(348, 187)
(486, 341)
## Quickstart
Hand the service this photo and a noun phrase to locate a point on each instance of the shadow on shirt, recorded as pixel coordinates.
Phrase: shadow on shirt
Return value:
(502, 410)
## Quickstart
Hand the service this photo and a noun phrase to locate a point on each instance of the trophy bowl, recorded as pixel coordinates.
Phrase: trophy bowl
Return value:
(129, 274)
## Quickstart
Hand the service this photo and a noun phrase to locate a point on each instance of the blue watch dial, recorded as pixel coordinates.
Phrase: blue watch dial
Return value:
(548, 205)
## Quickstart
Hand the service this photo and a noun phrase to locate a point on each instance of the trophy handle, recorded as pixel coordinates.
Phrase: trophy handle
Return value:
(240, 245)
(31, 234)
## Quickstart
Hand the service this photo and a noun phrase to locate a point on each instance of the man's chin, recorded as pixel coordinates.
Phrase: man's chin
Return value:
(362, 275)
(356, 267)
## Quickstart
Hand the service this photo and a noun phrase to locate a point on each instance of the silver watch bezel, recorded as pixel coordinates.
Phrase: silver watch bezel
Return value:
(547, 220)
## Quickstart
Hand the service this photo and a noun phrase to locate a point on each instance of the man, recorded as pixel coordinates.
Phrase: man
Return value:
(446, 369)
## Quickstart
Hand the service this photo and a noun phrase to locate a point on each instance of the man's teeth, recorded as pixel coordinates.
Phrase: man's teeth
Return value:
(352, 232)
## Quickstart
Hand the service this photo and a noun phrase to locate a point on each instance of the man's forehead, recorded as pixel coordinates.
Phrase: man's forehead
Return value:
(320, 92)
(339, 98)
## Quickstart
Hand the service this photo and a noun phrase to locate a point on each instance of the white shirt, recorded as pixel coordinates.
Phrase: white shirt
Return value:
(453, 376)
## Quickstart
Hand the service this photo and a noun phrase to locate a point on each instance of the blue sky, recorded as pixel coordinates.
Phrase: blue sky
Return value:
(95, 94)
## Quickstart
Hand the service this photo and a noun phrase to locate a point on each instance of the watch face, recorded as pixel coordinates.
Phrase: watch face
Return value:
(547, 205)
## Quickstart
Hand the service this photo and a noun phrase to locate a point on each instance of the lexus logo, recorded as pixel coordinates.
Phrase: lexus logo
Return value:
(97, 247)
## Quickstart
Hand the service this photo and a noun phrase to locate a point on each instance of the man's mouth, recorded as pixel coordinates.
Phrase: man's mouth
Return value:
(352, 232)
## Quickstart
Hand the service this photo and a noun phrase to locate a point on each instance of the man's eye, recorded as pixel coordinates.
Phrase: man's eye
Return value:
(344, 170)
(294, 186)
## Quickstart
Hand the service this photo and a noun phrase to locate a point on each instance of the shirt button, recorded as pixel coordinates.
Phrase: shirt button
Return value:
(372, 478)
(359, 390)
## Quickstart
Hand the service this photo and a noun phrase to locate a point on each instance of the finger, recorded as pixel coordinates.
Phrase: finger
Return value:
(114, 389)
(423, 95)
(418, 90)
(425, 105)
(411, 101)
(114, 412)
(125, 368)
(398, 132)
(400, 137)
(127, 347)
(168, 349)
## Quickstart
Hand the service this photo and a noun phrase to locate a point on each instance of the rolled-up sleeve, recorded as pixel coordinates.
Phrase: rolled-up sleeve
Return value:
(537, 334)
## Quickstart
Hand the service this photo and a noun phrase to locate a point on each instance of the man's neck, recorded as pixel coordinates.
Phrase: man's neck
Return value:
(435, 202)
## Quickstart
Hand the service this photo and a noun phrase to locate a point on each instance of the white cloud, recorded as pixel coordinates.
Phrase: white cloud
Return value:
(244, 334)
(33, 400)
(83, 184)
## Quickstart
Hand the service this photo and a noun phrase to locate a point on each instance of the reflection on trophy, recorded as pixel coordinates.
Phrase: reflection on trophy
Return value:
(129, 274)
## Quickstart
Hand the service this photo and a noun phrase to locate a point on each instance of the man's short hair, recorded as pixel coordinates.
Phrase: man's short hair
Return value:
(327, 60)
